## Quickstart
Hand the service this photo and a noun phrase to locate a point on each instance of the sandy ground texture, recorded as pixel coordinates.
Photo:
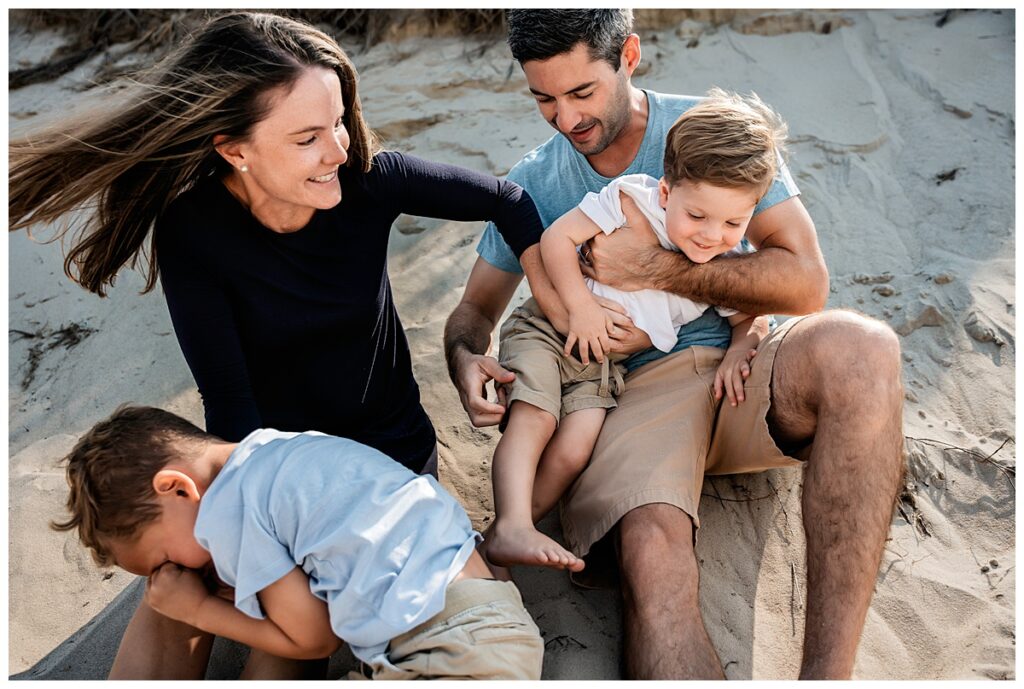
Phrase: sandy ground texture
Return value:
(903, 137)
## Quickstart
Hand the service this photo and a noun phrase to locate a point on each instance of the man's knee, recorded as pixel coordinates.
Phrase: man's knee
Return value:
(848, 355)
(655, 549)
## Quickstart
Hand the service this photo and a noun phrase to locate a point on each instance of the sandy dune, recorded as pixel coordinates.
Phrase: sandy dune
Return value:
(903, 137)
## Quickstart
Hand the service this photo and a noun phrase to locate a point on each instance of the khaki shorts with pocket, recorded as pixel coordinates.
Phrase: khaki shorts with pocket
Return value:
(531, 348)
(666, 434)
(484, 632)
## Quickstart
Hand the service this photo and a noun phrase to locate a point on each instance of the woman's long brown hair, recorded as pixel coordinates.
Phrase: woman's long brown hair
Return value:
(124, 162)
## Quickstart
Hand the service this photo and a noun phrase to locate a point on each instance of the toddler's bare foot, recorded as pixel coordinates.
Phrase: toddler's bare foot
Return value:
(500, 573)
(506, 546)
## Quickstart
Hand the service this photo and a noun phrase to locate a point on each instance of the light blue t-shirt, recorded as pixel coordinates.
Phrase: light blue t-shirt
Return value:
(557, 178)
(379, 543)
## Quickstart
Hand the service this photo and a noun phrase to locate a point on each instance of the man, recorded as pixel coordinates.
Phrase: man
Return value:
(824, 393)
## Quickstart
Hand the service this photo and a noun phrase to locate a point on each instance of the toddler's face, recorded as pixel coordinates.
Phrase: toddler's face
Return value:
(705, 221)
(168, 538)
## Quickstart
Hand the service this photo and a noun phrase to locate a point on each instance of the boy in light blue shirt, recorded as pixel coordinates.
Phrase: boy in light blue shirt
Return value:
(322, 539)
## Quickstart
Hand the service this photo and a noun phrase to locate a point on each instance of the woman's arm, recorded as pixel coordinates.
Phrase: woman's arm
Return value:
(437, 190)
(209, 340)
(297, 623)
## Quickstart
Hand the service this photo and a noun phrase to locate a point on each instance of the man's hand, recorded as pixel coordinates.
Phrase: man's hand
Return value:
(628, 339)
(623, 335)
(473, 372)
(623, 258)
(176, 592)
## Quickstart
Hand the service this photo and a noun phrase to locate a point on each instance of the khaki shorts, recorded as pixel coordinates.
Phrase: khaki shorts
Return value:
(530, 347)
(667, 433)
(484, 632)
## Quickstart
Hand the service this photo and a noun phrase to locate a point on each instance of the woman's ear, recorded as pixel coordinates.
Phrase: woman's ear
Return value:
(229, 150)
(175, 483)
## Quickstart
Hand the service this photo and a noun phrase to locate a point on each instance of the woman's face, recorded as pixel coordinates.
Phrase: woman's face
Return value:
(293, 154)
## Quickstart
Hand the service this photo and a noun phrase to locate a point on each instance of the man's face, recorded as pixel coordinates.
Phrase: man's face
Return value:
(584, 99)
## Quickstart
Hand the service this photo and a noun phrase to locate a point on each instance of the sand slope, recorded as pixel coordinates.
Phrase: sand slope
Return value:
(902, 143)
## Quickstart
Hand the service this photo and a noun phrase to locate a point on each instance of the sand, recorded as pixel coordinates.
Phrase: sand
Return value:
(903, 137)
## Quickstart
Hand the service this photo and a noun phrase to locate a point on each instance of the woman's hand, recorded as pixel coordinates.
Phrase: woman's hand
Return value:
(734, 369)
(176, 592)
(588, 327)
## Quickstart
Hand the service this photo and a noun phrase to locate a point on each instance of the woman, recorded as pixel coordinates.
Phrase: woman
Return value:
(272, 204)
(272, 207)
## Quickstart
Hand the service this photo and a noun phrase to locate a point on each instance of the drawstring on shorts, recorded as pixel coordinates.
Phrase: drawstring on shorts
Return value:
(616, 376)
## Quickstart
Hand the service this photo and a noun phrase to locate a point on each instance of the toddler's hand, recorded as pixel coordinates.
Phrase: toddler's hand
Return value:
(734, 369)
(588, 326)
(176, 592)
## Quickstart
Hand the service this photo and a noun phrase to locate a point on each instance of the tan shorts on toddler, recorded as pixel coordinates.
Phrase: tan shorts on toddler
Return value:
(668, 432)
(531, 348)
(484, 632)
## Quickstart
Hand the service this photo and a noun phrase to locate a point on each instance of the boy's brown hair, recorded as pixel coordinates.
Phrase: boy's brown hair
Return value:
(110, 473)
(726, 140)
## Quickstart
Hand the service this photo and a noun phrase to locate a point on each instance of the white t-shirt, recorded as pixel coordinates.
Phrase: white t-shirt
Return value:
(379, 543)
(657, 313)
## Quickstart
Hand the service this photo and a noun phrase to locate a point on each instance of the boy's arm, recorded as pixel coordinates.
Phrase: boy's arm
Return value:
(747, 333)
(297, 623)
(587, 320)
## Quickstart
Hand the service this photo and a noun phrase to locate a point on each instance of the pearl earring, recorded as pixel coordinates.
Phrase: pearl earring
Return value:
(244, 168)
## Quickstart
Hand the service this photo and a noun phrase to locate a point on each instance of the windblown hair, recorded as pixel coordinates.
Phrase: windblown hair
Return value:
(125, 163)
(543, 34)
(110, 474)
(726, 140)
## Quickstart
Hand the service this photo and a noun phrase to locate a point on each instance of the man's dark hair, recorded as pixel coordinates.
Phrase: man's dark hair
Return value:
(543, 34)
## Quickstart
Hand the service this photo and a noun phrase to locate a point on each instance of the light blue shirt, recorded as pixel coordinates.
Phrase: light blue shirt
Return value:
(379, 543)
(557, 178)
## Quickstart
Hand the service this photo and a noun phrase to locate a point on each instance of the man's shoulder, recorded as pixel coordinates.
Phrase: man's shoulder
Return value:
(671, 105)
(542, 162)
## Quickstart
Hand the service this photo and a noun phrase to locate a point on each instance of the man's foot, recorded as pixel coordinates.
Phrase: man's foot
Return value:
(506, 546)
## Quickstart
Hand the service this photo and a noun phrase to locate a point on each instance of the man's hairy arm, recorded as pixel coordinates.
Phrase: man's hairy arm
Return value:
(787, 275)
(467, 333)
(467, 338)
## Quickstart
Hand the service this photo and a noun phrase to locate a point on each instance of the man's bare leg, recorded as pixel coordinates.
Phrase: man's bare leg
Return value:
(157, 647)
(665, 636)
(836, 380)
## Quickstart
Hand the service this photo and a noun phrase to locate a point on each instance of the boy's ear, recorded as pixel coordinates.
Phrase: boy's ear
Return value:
(663, 190)
(175, 483)
(631, 54)
(229, 150)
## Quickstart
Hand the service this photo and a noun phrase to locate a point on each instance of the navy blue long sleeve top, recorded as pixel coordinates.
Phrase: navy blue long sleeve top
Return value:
(298, 331)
